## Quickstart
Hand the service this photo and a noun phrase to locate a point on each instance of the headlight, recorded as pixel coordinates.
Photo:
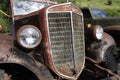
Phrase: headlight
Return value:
(29, 36)
(98, 32)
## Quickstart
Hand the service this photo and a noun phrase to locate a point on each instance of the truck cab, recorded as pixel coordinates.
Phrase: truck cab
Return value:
(46, 41)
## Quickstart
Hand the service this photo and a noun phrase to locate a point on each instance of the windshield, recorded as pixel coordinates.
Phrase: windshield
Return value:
(23, 7)
(98, 13)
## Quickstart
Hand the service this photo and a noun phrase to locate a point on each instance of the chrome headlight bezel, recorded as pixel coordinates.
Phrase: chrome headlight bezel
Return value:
(29, 36)
(98, 32)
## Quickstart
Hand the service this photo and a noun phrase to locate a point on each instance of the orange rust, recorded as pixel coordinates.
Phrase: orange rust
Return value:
(65, 8)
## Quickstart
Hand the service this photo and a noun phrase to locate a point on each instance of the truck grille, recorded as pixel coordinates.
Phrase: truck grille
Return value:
(66, 41)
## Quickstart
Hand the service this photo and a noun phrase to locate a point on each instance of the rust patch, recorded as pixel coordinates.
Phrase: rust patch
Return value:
(6, 42)
(6, 45)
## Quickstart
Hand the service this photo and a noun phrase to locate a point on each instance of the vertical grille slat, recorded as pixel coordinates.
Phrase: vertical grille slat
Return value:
(78, 39)
(66, 40)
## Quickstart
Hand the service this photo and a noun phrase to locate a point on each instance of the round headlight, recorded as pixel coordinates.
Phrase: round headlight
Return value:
(29, 36)
(98, 32)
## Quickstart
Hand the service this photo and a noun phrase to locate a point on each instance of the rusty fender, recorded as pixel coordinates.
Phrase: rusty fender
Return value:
(8, 54)
(99, 48)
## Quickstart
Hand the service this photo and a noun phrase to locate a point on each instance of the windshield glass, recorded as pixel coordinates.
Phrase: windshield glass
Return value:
(23, 7)
(98, 13)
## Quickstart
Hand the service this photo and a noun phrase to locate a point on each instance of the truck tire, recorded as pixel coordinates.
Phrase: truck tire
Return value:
(4, 76)
(110, 62)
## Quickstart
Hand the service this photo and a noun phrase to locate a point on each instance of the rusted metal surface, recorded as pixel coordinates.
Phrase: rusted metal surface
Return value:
(71, 70)
(67, 7)
(6, 42)
(108, 39)
(10, 54)
(46, 46)
(40, 21)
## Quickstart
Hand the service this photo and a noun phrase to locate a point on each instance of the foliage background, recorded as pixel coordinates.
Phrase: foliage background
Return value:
(111, 7)
(4, 21)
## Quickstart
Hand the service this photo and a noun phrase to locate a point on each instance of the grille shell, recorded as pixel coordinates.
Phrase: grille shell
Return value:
(66, 38)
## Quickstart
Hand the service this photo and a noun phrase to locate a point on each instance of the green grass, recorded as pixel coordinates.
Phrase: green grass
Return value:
(111, 10)
(4, 21)
(5, 24)
(102, 4)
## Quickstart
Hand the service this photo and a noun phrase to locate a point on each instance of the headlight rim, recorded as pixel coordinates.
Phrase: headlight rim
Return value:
(25, 27)
(95, 32)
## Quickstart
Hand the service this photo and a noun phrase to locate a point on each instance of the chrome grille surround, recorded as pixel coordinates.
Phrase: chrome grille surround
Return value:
(66, 38)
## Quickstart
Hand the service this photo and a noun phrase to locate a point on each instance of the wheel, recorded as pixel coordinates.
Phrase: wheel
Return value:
(109, 62)
(4, 76)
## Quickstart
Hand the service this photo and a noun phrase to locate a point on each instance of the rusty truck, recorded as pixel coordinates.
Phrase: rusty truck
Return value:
(49, 41)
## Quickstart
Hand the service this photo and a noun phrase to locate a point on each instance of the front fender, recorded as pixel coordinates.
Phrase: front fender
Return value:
(8, 54)
(99, 48)
(107, 40)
